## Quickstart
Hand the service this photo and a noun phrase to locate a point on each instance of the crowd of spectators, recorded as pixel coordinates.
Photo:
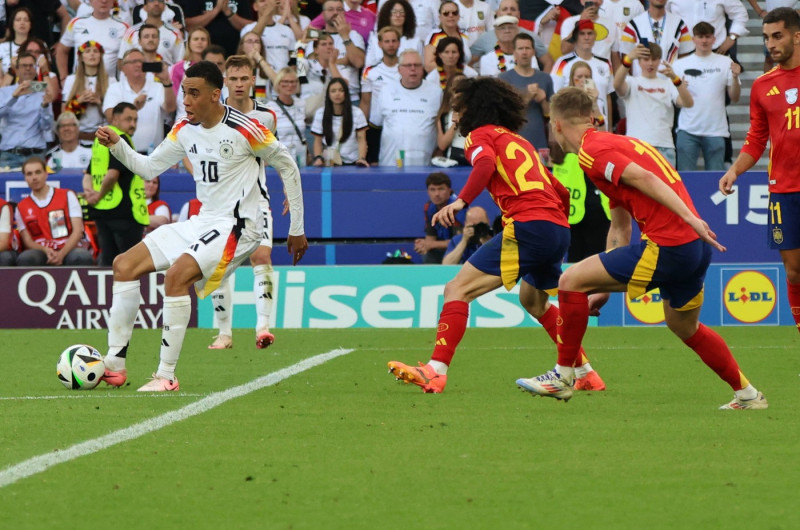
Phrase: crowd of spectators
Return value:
(365, 82)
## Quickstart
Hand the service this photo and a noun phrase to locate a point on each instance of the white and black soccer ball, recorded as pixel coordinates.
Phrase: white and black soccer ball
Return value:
(80, 367)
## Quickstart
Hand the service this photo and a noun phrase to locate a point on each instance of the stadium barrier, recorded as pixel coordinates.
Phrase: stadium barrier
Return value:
(356, 215)
(387, 296)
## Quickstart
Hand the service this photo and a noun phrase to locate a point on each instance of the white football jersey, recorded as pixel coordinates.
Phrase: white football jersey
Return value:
(226, 159)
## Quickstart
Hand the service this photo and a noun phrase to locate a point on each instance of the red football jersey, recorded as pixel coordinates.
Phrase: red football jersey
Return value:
(520, 184)
(775, 116)
(604, 156)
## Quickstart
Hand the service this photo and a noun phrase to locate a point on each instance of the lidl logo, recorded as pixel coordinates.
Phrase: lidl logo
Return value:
(648, 308)
(750, 297)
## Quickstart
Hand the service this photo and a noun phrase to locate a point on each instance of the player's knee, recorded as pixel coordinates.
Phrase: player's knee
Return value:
(262, 256)
(453, 290)
(535, 308)
(793, 275)
(568, 281)
(123, 268)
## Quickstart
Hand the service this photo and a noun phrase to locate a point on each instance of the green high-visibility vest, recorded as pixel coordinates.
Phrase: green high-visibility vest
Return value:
(571, 176)
(112, 199)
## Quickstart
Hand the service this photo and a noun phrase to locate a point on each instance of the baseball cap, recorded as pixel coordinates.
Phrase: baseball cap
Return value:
(505, 19)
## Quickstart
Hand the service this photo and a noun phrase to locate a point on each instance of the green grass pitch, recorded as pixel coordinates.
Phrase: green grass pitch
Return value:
(343, 445)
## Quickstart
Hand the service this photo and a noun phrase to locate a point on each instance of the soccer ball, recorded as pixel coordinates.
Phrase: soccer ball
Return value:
(80, 367)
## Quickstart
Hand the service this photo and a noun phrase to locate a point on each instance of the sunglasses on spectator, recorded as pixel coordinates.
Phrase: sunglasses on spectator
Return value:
(449, 13)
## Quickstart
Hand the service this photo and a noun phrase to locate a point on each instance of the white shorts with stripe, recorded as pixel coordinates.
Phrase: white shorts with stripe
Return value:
(218, 245)
(266, 211)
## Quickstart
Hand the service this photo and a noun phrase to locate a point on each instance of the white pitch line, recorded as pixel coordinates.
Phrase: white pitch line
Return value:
(40, 463)
(171, 395)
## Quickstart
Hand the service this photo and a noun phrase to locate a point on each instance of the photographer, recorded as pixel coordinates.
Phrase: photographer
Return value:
(27, 114)
(476, 232)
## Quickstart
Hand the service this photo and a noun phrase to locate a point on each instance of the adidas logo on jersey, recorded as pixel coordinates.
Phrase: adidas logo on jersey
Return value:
(193, 149)
(773, 91)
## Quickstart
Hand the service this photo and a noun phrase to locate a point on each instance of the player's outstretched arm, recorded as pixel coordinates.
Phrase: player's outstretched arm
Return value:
(645, 181)
(743, 162)
(167, 154)
(276, 155)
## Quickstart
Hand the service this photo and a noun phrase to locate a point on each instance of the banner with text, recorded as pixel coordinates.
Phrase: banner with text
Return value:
(397, 296)
(72, 298)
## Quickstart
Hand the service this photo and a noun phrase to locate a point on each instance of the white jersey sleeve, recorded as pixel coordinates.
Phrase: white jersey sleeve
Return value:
(276, 155)
(168, 153)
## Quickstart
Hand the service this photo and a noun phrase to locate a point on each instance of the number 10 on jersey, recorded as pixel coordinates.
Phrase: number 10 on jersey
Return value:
(210, 171)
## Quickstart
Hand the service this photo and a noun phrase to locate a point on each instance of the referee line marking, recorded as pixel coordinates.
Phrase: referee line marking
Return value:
(40, 463)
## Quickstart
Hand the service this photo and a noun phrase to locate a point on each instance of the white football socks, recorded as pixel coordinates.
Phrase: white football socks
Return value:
(581, 371)
(748, 392)
(262, 288)
(222, 299)
(124, 306)
(566, 373)
(438, 367)
(177, 312)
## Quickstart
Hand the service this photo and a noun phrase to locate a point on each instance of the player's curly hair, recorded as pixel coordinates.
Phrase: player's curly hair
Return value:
(488, 101)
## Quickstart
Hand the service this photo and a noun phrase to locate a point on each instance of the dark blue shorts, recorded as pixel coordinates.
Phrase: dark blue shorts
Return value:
(533, 249)
(678, 272)
(784, 221)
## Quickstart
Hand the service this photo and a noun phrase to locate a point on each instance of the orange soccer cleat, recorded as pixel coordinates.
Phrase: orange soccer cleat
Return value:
(591, 381)
(424, 376)
(221, 342)
(160, 384)
(116, 379)
(264, 339)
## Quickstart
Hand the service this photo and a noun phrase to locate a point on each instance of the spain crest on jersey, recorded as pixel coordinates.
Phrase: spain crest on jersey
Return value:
(791, 96)
(480, 15)
(626, 11)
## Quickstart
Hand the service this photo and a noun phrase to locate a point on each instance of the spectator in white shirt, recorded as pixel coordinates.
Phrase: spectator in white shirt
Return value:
(476, 18)
(153, 100)
(408, 115)
(651, 99)
(717, 13)
(339, 129)
(349, 43)
(69, 153)
(373, 81)
(290, 113)
(102, 27)
(606, 44)
(502, 60)
(168, 40)
(278, 39)
(705, 127)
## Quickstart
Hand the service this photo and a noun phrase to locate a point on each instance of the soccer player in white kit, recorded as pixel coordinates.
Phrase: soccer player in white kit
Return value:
(224, 147)
(240, 80)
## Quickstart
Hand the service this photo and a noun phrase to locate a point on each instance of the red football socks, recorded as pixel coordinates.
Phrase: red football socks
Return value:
(452, 325)
(574, 310)
(793, 293)
(549, 321)
(715, 353)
